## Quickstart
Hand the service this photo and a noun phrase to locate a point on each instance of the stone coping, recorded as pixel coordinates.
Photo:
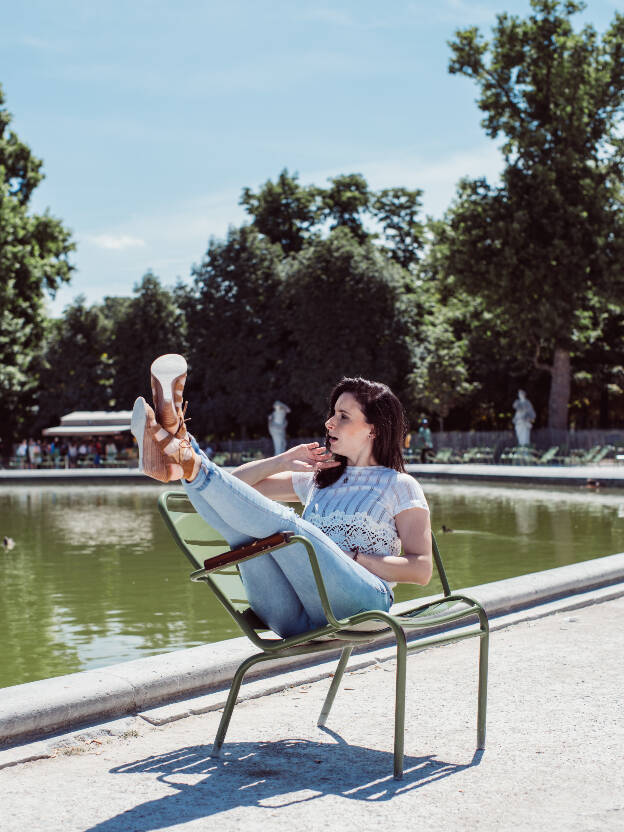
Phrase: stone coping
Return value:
(611, 476)
(606, 475)
(38, 708)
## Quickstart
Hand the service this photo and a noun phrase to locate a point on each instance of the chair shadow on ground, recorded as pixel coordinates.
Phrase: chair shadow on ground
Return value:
(269, 775)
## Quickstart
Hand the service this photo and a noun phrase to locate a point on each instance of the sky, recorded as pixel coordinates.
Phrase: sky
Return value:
(151, 116)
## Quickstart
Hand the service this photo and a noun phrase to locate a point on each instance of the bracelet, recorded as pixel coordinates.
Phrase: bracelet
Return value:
(355, 556)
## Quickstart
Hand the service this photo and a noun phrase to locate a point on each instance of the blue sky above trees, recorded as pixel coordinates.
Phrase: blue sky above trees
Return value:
(151, 117)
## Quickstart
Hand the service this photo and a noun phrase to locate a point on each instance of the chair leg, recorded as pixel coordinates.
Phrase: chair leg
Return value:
(231, 702)
(333, 688)
(483, 680)
(399, 706)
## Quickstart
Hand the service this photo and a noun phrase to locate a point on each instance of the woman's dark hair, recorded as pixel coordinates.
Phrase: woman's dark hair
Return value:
(384, 412)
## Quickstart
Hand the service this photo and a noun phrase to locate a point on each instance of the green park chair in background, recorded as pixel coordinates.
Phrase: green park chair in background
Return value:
(551, 456)
(478, 455)
(216, 566)
(520, 455)
(446, 455)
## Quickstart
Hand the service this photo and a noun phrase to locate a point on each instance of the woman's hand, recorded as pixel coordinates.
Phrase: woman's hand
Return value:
(309, 457)
(273, 476)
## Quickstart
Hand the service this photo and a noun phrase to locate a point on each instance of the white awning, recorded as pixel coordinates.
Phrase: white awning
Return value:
(85, 430)
(91, 423)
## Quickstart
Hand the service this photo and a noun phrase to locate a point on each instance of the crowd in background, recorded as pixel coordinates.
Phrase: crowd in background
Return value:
(71, 452)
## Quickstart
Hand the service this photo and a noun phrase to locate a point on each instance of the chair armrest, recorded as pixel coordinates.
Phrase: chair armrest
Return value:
(241, 553)
(269, 544)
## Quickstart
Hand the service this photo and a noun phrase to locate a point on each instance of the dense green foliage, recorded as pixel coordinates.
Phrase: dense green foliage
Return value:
(547, 243)
(34, 253)
(519, 284)
(236, 333)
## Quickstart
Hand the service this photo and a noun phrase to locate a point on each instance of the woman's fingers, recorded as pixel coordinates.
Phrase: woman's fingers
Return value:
(318, 453)
(331, 463)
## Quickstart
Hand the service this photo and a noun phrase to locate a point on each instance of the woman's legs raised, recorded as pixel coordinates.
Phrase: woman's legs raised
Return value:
(281, 586)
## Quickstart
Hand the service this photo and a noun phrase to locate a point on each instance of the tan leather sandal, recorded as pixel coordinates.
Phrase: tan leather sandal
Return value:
(161, 456)
(168, 375)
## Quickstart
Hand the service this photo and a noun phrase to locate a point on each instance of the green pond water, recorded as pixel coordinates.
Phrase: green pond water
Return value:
(94, 577)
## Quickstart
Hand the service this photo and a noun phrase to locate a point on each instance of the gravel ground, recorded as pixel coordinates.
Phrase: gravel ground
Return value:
(554, 756)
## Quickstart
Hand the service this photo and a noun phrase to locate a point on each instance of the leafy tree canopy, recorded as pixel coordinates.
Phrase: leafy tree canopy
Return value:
(348, 315)
(549, 237)
(146, 326)
(346, 202)
(237, 331)
(34, 251)
(397, 210)
(285, 211)
(76, 371)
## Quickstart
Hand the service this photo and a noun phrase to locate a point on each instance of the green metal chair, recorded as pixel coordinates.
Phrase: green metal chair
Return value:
(447, 455)
(552, 457)
(520, 455)
(216, 566)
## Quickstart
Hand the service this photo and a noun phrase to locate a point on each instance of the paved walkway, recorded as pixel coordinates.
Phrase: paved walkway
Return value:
(553, 759)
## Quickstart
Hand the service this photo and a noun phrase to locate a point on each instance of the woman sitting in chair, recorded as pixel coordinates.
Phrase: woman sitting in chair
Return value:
(361, 508)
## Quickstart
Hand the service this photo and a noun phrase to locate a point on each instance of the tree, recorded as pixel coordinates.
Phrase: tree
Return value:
(397, 210)
(34, 252)
(549, 239)
(346, 202)
(440, 379)
(148, 325)
(347, 316)
(238, 339)
(284, 211)
(75, 372)
(598, 369)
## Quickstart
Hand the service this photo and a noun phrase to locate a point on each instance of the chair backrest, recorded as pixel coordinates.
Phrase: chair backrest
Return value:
(198, 540)
(550, 453)
(437, 559)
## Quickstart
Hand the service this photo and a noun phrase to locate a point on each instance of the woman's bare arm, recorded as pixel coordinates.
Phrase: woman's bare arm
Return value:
(415, 566)
(273, 476)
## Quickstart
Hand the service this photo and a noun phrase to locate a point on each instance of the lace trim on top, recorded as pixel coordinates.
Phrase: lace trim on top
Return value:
(357, 531)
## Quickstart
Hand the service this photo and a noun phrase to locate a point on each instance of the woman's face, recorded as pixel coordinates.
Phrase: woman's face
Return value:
(350, 435)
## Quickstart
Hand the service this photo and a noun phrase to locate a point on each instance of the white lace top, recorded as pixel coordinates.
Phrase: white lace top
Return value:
(358, 511)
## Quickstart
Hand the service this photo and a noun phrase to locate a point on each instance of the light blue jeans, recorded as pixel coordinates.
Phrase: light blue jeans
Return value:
(280, 585)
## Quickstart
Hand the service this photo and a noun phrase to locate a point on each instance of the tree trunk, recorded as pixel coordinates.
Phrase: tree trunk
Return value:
(559, 390)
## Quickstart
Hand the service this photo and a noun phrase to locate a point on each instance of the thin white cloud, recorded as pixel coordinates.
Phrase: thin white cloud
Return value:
(438, 179)
(334, 17)
(279, 71)
(386, 19)
(171, 241)
(458, 12)
(115, 242)
(42, 44)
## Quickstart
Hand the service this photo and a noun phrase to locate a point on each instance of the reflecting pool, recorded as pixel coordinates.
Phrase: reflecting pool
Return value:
(94, 577)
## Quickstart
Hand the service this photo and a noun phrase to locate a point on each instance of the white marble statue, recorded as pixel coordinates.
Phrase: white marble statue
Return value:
(523, 418)
(277, 426)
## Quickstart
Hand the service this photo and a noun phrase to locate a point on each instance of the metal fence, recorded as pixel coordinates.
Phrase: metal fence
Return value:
(541, 438)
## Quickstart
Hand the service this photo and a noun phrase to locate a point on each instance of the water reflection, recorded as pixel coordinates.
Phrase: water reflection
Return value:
(89, 526)
(95, 578)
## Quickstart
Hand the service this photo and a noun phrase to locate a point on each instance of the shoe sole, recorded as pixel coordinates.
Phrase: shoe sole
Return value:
(137, 427)
(166, 371)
